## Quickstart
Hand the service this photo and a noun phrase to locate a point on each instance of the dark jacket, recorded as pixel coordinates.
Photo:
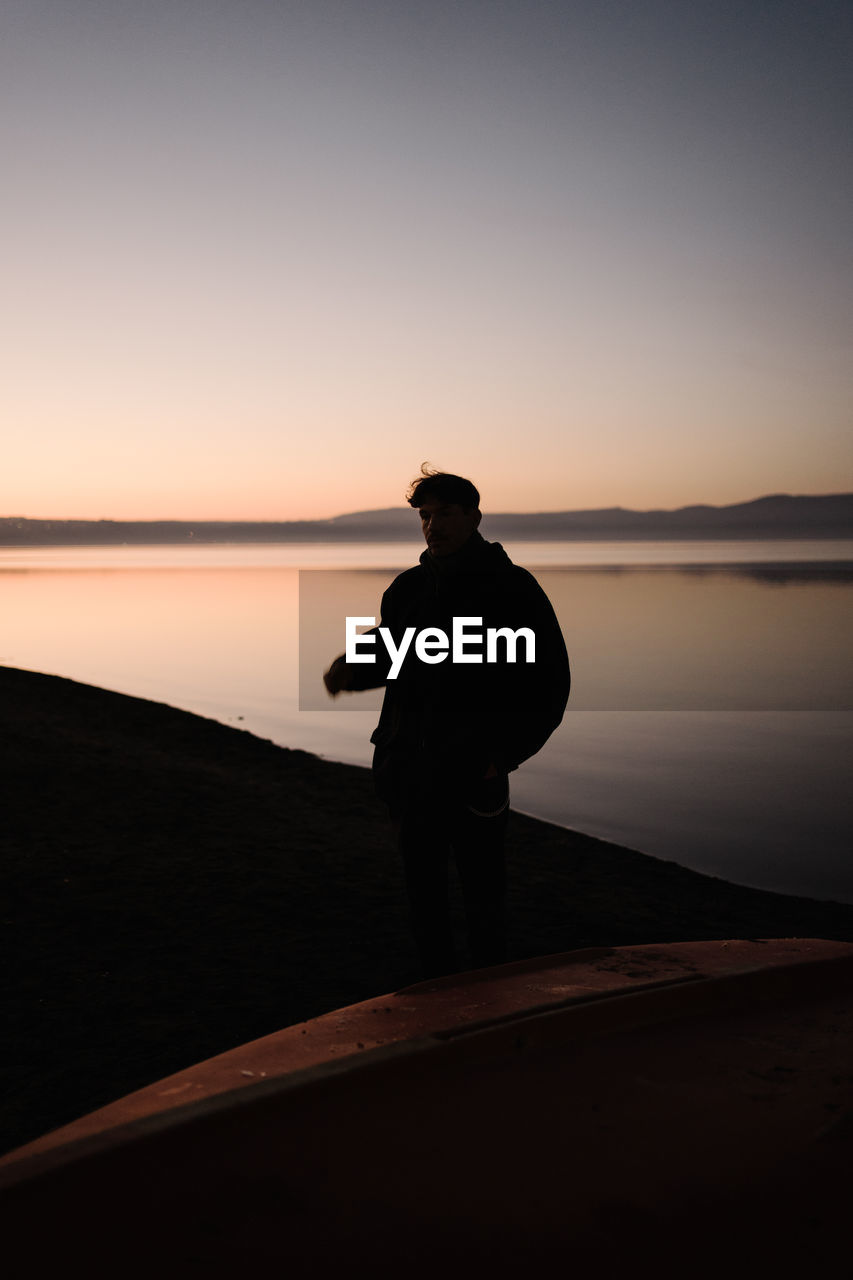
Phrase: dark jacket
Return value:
(449, 721)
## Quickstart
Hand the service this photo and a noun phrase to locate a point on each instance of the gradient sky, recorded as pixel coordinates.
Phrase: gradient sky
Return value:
(262, 259)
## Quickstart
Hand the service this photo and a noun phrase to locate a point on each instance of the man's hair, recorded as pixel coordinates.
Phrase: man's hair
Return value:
(443, 486)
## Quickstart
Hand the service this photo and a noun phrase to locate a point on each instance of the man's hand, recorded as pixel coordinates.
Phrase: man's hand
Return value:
(335, 678)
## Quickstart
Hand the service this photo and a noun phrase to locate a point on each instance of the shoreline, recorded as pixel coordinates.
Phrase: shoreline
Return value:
(180, 886)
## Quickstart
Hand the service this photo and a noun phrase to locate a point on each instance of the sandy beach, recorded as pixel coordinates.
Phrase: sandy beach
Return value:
(175, 887)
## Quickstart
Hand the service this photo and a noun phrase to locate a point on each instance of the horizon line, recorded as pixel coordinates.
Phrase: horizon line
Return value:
(691, 506)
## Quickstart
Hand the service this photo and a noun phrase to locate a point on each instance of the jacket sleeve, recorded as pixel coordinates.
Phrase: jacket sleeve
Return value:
(368, 675)
(540, 690)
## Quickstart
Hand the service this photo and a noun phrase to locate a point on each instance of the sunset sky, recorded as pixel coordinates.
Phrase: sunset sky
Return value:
(262, 259)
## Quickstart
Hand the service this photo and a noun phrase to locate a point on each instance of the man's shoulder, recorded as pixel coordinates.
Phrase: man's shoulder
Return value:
(525, 595)
(522, 580)
(520, 575)
(409, 577)
(407, 583)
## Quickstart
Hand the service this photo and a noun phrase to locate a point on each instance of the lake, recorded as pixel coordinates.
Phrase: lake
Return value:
(711, 717)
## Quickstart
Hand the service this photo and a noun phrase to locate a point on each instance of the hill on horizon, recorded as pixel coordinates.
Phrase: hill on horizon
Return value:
(772, 516)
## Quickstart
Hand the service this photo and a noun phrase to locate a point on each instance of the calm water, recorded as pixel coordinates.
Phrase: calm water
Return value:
(710, 719)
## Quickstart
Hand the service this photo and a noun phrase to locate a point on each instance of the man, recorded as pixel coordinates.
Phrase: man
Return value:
(453, 727)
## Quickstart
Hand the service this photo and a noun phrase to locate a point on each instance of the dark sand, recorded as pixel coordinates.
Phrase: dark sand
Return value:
(174, 887)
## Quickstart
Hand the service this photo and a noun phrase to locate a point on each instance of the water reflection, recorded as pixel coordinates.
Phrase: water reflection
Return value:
(704, 723)
(652, 639)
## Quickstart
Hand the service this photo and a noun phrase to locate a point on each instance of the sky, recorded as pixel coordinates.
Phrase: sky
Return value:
(261, 260)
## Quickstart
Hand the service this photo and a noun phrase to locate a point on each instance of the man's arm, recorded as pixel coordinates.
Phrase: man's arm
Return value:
(353, 677)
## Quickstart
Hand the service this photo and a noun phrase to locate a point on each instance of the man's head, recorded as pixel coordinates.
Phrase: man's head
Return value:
(449, 507)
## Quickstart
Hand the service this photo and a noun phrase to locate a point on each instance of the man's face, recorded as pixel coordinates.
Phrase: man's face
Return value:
(446, 525)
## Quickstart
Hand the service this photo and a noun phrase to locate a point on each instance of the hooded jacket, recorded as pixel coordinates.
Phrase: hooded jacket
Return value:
(449, 721)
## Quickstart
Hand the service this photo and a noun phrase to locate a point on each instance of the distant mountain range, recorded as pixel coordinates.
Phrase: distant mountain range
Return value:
(777, 516)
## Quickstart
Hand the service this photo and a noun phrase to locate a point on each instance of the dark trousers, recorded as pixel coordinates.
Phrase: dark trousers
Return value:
(428, 833)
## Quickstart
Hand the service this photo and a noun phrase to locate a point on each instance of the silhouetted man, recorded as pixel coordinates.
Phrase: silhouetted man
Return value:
(457, 718)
